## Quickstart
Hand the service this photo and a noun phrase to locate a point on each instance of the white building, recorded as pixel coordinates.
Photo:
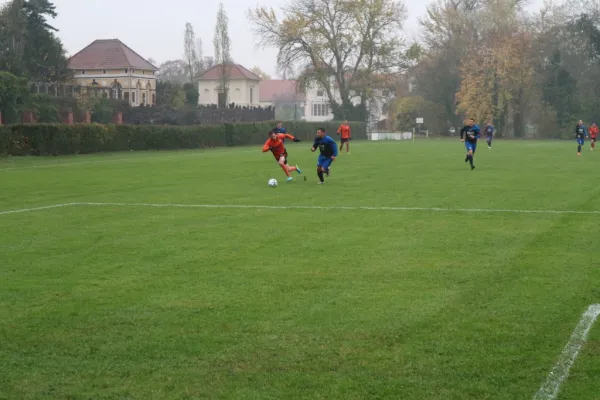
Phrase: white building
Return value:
(243, 86)
(311, 103)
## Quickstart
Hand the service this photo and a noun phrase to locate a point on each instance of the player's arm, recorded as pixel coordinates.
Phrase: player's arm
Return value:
(315, 145)
(288, 136)
(339, 130)
(463, 133)
(335, 148)
(267, 146)
(477, 133)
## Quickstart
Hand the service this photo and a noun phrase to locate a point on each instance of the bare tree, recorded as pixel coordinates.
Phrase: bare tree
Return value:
(189, 46)
(341, 45)
(223, 59)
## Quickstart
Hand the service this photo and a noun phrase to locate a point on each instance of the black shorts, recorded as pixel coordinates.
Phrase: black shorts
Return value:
(345, 140)
(285, 156)
(593, 140)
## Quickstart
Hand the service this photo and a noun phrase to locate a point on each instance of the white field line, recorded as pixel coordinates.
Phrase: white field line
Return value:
(560, 371)
(24, 210)
(300, 207)
(169, 156)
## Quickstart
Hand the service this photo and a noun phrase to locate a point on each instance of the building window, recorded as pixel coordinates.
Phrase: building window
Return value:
(153, 99)
(126, 96)
(126, 71)
(320, 110)
(319, 93)
(144, 98)
(133, 71)
(82, 72)
(104, 71)
(132, 97)
(251, 95)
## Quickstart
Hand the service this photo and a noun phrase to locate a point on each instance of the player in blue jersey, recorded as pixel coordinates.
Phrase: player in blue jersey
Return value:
(469, 135)
(581, 134)
(489, 133)
(328, 152)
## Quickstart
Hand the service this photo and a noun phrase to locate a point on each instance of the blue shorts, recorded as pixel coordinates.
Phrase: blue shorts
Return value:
(471, 146)
(324, 162)
(580, 142)
(489, 138)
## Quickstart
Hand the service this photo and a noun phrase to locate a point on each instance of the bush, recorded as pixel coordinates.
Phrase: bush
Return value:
(57, 139)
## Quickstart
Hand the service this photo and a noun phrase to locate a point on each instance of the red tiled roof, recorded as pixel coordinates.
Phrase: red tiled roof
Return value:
(108, 54)
(282, 90)
(234, 71)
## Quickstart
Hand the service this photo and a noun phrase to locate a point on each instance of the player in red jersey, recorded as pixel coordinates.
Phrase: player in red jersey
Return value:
(276, 146)
(593, 131)
(346, 135)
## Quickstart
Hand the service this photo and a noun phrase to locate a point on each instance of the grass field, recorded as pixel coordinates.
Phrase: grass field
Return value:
(130, 301)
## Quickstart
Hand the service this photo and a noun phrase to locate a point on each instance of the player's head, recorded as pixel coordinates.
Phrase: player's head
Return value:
(272, 134)
(470, 122)
(279, 124)
(345, 122)
(580, 122)
(320, 132)
(489, 122)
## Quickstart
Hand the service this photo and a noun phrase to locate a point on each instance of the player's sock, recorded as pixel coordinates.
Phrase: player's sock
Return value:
(285, 170)
(578, 149)
(320, 174)
(467, 158)
(471, 161)
(298, 170)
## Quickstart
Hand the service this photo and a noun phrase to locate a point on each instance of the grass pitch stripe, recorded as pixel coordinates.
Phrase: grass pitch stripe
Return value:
(560, 371)
(300, 207)
(171, 155)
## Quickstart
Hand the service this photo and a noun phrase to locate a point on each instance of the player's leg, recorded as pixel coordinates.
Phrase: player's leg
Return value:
(327, 165)
(489, 141)
(282, 161)
(320, 162)
(593, 144)
(348, 146)
(471, 153)
(579, 144)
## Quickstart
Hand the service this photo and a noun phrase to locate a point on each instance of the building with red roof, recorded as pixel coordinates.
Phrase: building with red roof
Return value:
(117, 70)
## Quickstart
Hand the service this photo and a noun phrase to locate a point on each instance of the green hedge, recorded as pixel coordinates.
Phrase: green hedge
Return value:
(57, 139)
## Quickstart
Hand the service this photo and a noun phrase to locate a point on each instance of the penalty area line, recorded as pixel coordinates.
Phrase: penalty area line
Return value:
(560, 371)
(301, 207)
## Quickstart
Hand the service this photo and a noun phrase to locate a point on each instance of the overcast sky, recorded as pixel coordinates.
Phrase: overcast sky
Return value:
(155, 28)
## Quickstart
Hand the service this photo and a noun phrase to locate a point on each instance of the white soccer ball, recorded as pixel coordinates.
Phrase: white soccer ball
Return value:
(273, 182)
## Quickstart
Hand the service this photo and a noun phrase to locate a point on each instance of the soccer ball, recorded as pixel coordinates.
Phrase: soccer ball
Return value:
(272, 182)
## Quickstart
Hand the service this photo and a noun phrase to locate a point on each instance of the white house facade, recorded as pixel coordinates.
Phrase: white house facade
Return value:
(243, 86)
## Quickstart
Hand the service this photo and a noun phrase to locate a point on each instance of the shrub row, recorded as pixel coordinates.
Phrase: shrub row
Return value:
(59, 139)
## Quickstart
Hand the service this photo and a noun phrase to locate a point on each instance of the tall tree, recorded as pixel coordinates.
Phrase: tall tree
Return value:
(223, 59)
(28, 44)
(190, 54)
(341, 45)
(174, 71)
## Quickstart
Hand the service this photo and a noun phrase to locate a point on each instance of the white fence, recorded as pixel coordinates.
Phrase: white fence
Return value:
(390, 135)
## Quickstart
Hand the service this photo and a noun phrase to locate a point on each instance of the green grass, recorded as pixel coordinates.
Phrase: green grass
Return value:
(133, 302)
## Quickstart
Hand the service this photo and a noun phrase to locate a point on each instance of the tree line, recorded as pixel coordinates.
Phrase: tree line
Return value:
(485, 59)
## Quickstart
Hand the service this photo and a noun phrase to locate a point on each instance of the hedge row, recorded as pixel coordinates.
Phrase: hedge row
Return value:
(59, 139)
